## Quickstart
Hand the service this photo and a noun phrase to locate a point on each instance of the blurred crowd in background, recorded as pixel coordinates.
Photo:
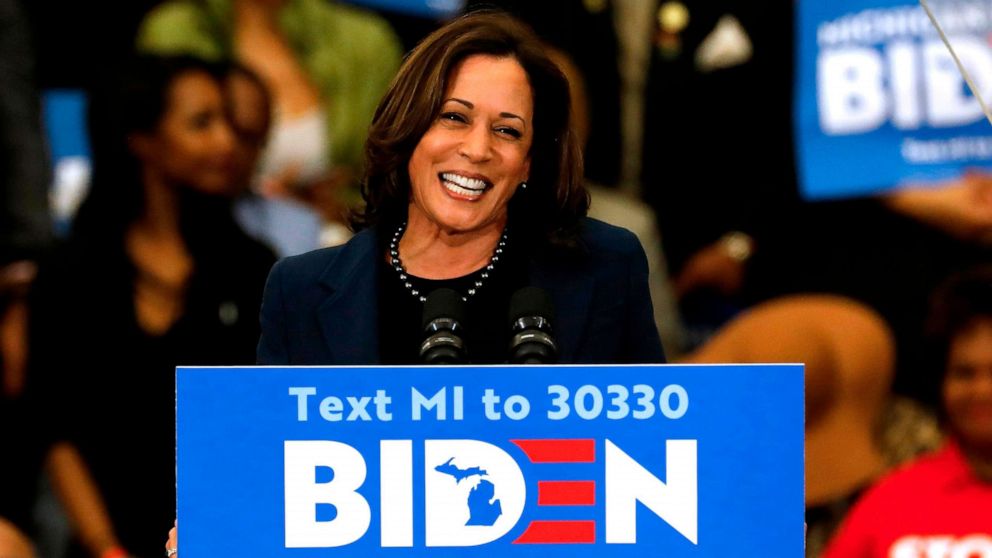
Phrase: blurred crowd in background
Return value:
(224, 134)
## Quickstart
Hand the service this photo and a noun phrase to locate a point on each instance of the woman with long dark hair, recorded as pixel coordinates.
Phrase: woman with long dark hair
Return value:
(473, 182)
(155, 274)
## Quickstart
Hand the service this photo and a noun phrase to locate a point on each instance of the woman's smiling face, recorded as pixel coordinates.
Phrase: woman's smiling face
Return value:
(470, 162)
(193, 144)
(968, 385)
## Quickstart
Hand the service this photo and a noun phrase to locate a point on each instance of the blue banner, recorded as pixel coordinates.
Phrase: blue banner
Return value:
(676, 461)
(434, 9)
(64, 112)
(880, 101)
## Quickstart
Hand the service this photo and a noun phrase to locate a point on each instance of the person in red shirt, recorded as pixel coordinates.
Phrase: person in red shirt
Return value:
(940, 506)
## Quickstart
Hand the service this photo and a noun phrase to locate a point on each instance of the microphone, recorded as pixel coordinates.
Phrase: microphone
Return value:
(531, 314)
(444, 313)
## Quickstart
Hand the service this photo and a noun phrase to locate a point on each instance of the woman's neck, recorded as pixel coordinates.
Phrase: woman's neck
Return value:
(161, 260)
(160, 216)
(430, 252)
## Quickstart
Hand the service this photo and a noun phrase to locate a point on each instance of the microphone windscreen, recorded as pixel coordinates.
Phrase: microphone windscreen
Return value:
(443, 303)
(529, 302)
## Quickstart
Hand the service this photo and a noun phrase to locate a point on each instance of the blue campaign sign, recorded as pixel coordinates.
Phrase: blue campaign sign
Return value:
(64, 113)
(438, 9)
(880, 101)
(676, 461)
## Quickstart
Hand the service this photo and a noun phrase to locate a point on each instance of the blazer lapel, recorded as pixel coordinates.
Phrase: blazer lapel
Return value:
(349, 316)
(570, 288)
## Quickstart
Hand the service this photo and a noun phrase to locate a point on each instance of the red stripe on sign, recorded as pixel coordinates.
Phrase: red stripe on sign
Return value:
(566, 493)
(551, 532)
(558, 451)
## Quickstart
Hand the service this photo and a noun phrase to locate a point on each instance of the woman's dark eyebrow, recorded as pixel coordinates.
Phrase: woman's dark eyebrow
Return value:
(462, 102)
(470, 105)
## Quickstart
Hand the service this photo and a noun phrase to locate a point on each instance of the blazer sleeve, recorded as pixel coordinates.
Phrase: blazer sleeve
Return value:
(643, 344)
(273, 346)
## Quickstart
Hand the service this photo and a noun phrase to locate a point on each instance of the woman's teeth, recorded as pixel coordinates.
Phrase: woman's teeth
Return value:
(463, 186)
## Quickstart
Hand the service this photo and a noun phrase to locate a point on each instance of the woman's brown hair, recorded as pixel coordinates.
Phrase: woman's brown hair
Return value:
(555, 198)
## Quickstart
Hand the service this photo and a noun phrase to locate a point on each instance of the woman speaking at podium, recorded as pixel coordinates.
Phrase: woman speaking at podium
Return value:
(473, 182)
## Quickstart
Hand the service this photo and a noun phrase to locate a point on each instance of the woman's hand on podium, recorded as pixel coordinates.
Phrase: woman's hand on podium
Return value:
(172, 545)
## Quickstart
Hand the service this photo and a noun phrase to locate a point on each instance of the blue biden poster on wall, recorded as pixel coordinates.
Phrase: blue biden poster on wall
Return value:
(675, 461)
(880, 100)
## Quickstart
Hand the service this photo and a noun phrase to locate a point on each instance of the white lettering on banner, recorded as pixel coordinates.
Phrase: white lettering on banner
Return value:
(438, 403)
(942, 546)
(331, 408)
(859, 88)
(852, 96)
(907, 111)
(674, 500)
(446, 514)
(907, 547)
(975, 546)
(682, 398)
(305, 492)
(396, 490)
(881, 25)
(873, 26)
(947, 103)
(946, 150)
(302, 393)
(474, 493)
(589, 402)
(516, 407)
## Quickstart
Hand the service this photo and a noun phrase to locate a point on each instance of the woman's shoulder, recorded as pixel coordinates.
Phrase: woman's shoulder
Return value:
(920, 478)
(603, 238)
(308, 268)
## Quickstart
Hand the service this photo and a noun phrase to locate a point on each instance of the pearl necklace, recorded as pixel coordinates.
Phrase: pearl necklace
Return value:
(394, 260)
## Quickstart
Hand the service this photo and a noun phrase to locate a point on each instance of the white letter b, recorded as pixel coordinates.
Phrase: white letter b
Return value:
(311, 498)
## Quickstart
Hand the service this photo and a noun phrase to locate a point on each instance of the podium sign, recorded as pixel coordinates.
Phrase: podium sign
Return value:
(880, 101)
(675, 461)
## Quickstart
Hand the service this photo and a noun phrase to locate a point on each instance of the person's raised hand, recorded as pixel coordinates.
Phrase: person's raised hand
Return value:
(719, 266)
(961, 208)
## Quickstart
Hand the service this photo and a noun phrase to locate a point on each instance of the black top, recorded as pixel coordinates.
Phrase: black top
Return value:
(104, 384)
(322, 308)
(20, 464)
(486, 332)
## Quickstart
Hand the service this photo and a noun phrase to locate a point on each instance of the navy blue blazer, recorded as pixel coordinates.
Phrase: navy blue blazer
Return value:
(320, 308)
